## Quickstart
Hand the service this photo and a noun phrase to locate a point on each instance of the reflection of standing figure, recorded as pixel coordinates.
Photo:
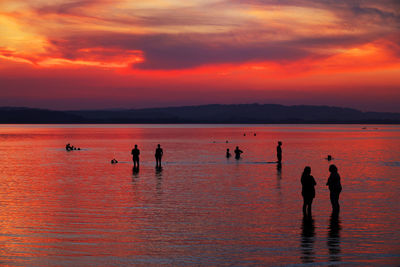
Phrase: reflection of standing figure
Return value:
(279, 152)
(158, 155)
(135, 156)
(335, 188)
(237, 153)
(334, 238)
(307, 240)
(308, 191)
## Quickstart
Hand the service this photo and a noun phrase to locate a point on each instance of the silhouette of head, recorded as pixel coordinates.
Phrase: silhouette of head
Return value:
(237, 147)
(280, 143)
(135, 146)
(158, 145)
(307, 170)
(333, 168)
(227, 149)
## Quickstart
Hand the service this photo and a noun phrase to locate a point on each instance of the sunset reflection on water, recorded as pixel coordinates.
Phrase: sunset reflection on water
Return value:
(75, 208)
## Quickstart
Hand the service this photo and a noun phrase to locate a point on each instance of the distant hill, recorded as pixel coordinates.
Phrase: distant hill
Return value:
(242, 113)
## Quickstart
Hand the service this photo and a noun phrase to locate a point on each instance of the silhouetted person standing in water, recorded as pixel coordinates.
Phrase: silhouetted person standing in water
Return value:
(158, 155)
(335, 188)
(237, 153)
(135, 157)
(279, 152)
(228, 154)
(308, 191)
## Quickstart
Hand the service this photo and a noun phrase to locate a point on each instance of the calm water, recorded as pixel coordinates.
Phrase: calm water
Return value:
(61, 208)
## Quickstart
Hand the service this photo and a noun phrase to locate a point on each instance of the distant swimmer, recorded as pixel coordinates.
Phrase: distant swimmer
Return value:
(114, 161)
(159, 153)
(335, 187)
(279, 152)
(228, 154)
(329, 158)
(255, 134)
(135, 156)
(237, 153)
(226, 141)
(308, 191)
(68, 147)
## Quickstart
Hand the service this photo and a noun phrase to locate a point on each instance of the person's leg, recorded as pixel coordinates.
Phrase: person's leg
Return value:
(309, 207)
(337, 206)
(304, 207)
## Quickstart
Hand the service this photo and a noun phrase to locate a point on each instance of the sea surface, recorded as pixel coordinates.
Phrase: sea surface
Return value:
(60, 208)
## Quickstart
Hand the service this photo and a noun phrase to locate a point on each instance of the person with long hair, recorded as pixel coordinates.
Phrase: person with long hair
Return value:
(308, 191)
(335, 187)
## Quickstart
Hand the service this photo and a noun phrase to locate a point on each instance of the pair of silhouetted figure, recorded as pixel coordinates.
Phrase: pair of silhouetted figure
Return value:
(237, 151)
(136, 152)
(308, 189)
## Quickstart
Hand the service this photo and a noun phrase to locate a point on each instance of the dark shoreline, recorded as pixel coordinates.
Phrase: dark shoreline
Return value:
(206, 114)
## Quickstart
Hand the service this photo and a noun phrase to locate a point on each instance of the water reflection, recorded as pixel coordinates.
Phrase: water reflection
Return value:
(135, 173)
(158, 174)
(307, 239)
(334, 237)
(278, 175)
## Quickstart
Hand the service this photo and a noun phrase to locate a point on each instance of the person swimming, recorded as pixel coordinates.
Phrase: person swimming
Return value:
(158, 155)
(114, 161)
(237, 153)
(228, 154)
(68, 147)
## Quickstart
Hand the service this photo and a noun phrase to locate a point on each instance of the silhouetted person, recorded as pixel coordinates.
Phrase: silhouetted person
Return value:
(159, 153)
(68, 147)
(114, 161)
(279, 151)
(135, 156)
(237, 153)
(308, 191)
(329, 158)
(335, 188)
(307, 239)
(228, 154)
(334, 237)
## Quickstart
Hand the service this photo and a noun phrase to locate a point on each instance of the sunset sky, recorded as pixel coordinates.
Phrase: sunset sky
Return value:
(85, 54)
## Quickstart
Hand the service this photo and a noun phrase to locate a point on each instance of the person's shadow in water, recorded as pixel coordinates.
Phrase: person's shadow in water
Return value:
(135, 173)
(334, 237)
(307, 239)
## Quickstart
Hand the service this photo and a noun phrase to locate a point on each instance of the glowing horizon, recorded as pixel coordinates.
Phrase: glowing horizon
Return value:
(103, 54)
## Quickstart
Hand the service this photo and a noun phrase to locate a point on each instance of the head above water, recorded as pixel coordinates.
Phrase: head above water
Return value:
(307, 170)
(333, 168)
